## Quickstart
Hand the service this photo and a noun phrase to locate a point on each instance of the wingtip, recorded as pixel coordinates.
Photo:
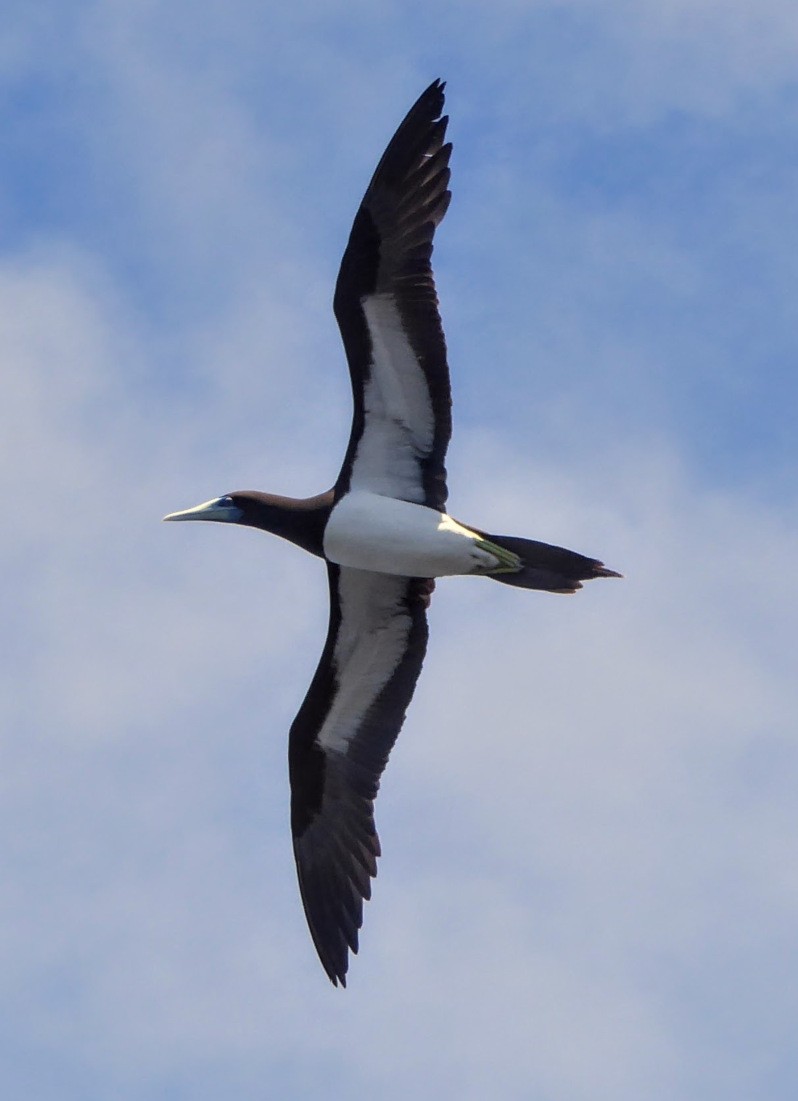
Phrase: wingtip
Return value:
(337, 976)
(437, 90)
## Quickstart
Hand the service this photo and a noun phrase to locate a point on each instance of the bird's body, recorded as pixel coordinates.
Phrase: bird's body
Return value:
(382, 530)
(368, 531)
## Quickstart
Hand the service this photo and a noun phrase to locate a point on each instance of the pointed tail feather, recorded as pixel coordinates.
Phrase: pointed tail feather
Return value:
(552, 569)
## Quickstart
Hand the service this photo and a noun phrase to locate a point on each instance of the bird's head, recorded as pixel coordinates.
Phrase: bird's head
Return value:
(247, 507)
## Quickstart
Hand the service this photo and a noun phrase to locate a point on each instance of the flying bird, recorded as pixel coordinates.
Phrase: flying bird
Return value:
(382, 530)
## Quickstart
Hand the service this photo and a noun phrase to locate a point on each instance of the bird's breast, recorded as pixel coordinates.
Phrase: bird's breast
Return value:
(367, 531)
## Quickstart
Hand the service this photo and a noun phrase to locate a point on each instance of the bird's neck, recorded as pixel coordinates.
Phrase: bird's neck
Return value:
(300, 520)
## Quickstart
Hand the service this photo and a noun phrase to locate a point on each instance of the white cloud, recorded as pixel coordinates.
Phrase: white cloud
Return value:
(576, 772)
(588, 887)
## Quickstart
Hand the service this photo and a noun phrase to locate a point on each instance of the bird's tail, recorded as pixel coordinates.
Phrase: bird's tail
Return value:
(553, 569)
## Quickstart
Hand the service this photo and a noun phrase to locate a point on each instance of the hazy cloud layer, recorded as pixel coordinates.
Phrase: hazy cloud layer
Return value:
(589, 823)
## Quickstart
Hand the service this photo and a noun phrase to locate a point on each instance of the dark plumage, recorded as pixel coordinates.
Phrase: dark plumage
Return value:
(382, 531)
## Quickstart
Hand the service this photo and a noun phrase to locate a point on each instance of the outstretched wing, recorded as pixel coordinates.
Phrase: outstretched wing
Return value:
(339, 746)
(387, 310)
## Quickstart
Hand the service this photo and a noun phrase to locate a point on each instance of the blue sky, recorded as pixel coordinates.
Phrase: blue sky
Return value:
(589, 823)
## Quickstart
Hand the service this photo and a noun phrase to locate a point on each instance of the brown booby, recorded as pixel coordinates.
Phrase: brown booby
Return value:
(382, 530)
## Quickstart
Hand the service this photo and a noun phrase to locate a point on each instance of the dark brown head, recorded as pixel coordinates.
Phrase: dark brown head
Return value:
(300, 521)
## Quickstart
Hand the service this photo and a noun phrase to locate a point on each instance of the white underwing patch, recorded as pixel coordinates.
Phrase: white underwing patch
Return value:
(371, 641)
(399, 422)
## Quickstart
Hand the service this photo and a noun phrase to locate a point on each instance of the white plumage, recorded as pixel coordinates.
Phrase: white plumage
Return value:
(369, 532)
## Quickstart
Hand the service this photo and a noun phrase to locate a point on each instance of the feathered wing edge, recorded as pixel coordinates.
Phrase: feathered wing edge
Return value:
(388, 257)
(339, 745)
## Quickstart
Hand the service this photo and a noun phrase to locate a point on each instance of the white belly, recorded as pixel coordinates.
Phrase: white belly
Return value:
(369, 532)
